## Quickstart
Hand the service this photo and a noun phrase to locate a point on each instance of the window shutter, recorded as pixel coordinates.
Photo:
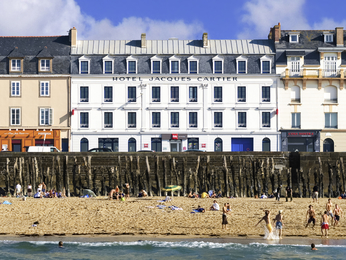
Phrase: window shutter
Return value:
(51, 116)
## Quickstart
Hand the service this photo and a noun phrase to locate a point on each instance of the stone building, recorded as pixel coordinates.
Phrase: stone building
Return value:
(311, 65)
(173, 95)
(34, 92)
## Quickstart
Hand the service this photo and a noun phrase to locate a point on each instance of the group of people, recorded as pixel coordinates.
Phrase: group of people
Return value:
(209, 194)
(118, 194)
(41, 192)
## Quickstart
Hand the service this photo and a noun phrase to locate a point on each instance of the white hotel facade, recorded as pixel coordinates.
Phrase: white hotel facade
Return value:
(174, 95)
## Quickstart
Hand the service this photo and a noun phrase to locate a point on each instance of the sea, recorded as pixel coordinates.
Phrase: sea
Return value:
(196, 248)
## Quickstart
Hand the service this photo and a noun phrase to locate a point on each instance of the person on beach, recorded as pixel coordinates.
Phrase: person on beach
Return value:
(278, 193)
(200, 209)
(313, 247)
(143, 193)
(315, 194)
(39, 188)
(266, 218)
(219, 194)
(288, 193)
(29, 190)
(279, 222)
(310, 217)
(190, 194)
(127, 191)
(18, 189)
(215, 206)
(337, 214)
(325, 224)
(329, 207)
(114, 193)
(225, 211)
(44, 187)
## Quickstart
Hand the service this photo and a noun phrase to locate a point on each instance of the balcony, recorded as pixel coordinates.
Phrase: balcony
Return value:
(313, 73)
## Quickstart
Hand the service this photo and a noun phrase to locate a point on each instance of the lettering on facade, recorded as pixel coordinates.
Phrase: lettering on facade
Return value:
(176, 79)
(293, 134)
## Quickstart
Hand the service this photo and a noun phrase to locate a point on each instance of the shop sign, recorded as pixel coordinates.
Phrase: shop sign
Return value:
(204, 145)
(300, 134)
(175, 136)
(146, 145)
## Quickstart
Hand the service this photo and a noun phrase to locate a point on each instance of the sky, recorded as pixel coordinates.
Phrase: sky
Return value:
(162, 19)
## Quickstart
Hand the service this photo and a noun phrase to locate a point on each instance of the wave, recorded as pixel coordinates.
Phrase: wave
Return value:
(166, 244)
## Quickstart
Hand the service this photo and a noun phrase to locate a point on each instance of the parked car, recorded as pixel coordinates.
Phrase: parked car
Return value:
(42, 149)
(146, 151)
(195, 150)
(100, 150)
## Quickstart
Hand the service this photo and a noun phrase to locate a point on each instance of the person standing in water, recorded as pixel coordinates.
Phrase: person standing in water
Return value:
(279, 222)
(324, 224)
(266, 218)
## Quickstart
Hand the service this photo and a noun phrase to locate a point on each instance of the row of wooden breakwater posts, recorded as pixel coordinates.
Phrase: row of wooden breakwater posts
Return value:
(235, 174)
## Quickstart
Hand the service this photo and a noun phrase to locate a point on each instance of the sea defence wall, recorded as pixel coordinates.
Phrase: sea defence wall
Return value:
(237, 174)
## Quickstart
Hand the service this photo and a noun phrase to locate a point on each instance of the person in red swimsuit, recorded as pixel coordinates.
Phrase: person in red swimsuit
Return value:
(325, 224)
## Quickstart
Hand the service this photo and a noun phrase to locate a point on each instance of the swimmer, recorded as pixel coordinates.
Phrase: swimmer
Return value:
(279, 222)
(329, 207)
(313, 247)
(60, 244)
(266, 218)
(337, 214)
(324, 224)
(311, 214)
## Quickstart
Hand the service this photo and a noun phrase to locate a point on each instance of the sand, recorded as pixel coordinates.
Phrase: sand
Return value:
(100, 216)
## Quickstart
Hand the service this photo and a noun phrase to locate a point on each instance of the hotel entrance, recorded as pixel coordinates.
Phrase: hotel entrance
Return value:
(175, 141)
(175, 145)
(300, 140)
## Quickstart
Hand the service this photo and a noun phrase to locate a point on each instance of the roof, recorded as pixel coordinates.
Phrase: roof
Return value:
(172, 46)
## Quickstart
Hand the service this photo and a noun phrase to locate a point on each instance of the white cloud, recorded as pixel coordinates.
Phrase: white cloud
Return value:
(328, 24)
(56, 17)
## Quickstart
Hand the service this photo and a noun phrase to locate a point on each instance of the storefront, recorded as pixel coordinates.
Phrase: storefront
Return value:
(300, 140)
(175, 141)
(18, 140)
(242, 144)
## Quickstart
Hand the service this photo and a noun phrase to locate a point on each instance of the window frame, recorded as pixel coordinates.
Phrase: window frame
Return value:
(45, 89)
(19, 90)
(266, 59)
(191, 99)
(174, 59)
(15, 69)
(130, 123)
(19, 110)
(297, 34)
(109, 115)
(294, 119)
(173, 92)
(330, 120)
(155, 100)
(241, 59)
(192, 59)
(217, 99)
(156, 115)
(44, 68)
(217, 58)
(104, 61)
(81, 61)
(328, 35)
(156, 59)
(128, 60)
(266, 115)
(81, 100)
(241, 99)
(218, 119)
(241, 124)
(173, 123)
(45, 111)
(193, 116)
(84, 125)
(131, 99)
(265, 99)
(109, 99)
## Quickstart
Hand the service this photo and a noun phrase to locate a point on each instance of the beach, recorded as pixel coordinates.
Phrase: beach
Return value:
(141, 217)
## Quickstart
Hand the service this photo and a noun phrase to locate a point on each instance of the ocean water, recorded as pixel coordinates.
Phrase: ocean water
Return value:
(183, 249)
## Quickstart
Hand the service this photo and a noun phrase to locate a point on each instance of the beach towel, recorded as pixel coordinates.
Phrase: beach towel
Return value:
(210, 193)
(176, 208)
(161, 206)
(7, 202)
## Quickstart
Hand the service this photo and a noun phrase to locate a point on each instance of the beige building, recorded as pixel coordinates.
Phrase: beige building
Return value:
(34, 92)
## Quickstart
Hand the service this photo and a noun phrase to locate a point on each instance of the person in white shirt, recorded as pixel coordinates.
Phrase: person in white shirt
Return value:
(18, 189)
(215, 206)
(29, 190)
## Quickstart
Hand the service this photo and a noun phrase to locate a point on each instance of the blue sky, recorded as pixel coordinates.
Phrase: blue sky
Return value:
(160, 19)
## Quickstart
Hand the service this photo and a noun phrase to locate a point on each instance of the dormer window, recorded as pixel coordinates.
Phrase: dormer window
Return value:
(45, 65)
(84, 67)
(265, 65)
(192, 65)
(241, 65)
(131, 65)
(328, 37)
(155, 65)
(217, 65)
(174, 65)
(294, 37)
(16, 65)
(107, 65)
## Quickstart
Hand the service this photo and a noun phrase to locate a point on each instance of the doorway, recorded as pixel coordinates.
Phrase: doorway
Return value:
(175, 145)
(16, 145)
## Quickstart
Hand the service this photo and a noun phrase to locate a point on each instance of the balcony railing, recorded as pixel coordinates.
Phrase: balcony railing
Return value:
(314, 73)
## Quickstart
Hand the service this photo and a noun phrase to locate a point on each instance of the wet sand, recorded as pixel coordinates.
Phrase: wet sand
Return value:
(103, 217)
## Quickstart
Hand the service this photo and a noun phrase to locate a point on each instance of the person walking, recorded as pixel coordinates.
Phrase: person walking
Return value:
(288, 193)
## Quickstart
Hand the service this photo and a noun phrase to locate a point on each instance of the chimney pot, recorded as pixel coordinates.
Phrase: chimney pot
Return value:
(143, 40)
(73, 37)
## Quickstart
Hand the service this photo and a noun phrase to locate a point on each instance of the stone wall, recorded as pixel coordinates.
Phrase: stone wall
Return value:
(234, 173)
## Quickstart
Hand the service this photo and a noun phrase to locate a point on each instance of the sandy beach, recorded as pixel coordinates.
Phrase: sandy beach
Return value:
(100, 216)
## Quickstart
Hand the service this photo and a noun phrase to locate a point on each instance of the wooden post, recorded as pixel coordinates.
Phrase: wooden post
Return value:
(7, 175)
(299, 180)
(67, 177)
(74, 176)
(338, 178)
(164, 165)
(304, 182)
(320, 178)
(330, 175)
(196, 172)
(80, 180)
(343, 174)
(226, 172)
(148, 176)
(185, 173)
(158, 177)
(58, 175)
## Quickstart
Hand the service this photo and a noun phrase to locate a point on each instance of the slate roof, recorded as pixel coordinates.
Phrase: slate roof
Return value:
(44, 53)
(171, 47)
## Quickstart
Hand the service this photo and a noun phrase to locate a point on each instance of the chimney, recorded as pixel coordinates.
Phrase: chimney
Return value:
(73, 37)
(205, 40)
(143, 40)
(339, 36)
(276, 33)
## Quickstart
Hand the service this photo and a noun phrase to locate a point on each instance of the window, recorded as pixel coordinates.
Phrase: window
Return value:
(44, 88)
(46, 116)
(294, 37)
(131, 65)
(217, 119)
(84, 145)
(131, 94)
(330, 94)
(84, 67)
(328, 37)
(16, 65)
(295, 94)
(131, 120)
(111, 143)
(156, 144)
(330, 66)
(192, 94)
(84, 120)
(175, 119)
(156, 94)
(241, 65)
(84, 94)
(265, 94)
(266, 119)
(132, 145)
(15, 88)
(217, 94)
(174, 65)
(193, 119)
(328, 145)
(193, 143)
(108, 120)
(217, 65)
(295, 66)
(44, 65)
(241, 94)
(108, 67)
(218, 145)
(156, 120)
(295, 120)
(331, 120)
(15, 116)
(174, 94)
(241, 119)
(192, 65)
(108, 94)
(265, 67)
(155, 65)
(266, 145)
